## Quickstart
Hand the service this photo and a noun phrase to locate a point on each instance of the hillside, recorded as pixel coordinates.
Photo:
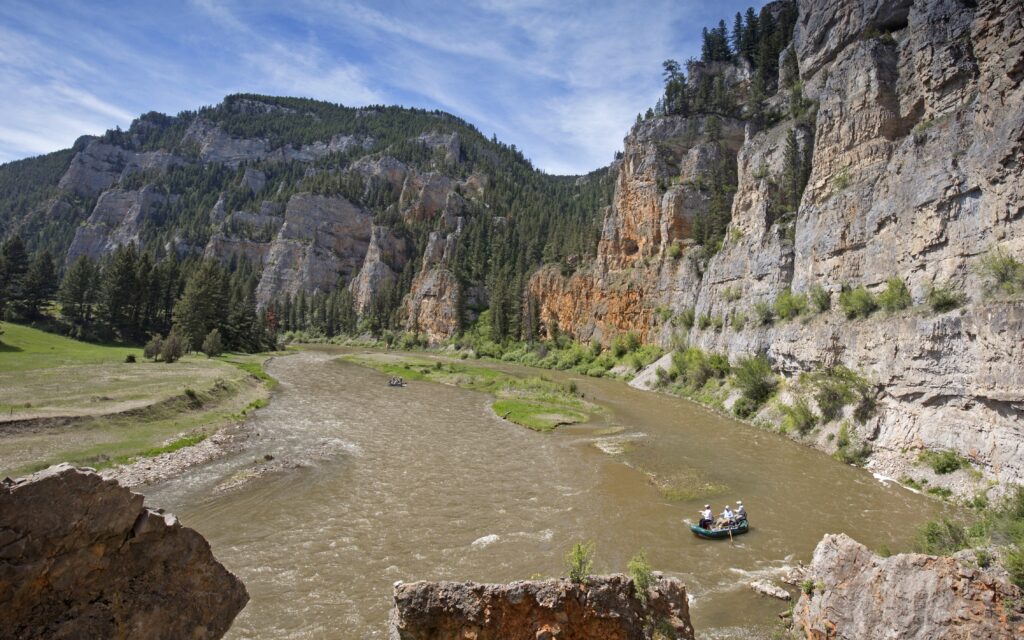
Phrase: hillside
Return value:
(318, 197)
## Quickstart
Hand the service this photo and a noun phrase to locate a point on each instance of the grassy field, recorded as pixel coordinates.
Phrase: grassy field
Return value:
(534, 402)
(65, 400)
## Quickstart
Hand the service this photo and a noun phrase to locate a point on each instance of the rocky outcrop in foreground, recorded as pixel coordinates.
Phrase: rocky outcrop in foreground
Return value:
(858, 594)
(81, 557)
(606, 608)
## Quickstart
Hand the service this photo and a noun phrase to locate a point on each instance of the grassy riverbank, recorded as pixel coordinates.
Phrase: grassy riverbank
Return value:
(531, 401)
(65, 400)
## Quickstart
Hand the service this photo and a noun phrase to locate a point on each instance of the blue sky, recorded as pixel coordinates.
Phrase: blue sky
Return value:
(562, 81)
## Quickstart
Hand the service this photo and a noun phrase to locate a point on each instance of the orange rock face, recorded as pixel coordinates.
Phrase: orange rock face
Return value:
(606, 608)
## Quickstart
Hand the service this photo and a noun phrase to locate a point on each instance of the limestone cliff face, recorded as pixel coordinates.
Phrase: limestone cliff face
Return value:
(81, 557)
(432, 306)
(116, 220)
(606, 608)
(916, 172)
(858, 594)
(323, 239)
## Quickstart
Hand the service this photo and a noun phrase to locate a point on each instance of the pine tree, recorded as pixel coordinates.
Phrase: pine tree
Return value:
(794, 173)
(119, 290)
(15, 268)
(40, 283)
(78, 290)
(201, 307)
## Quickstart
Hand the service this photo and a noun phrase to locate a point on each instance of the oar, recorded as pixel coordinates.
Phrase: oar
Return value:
(730, 537)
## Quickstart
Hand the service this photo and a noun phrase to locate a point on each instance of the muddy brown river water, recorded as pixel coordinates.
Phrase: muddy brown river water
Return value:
(371, 484)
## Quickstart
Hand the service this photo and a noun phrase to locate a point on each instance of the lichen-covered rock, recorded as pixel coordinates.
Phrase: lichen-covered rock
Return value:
(81, 557)
(606, 608)
(857, 594)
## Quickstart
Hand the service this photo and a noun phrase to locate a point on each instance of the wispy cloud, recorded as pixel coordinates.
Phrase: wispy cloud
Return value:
(562, 81)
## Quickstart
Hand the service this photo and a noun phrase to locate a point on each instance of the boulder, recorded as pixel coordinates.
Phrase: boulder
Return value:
(81, 557)
(858, 594)
(605, 608)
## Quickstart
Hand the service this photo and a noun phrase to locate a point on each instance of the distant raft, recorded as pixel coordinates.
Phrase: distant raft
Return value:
(720, 532)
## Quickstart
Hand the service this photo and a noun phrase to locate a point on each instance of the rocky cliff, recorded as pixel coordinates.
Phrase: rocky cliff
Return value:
(606, 608)
(81, 557)
(914, 131)
(852, 593)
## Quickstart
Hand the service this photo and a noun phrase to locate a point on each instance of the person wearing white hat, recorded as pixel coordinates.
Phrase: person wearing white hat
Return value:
(706, 517)
(741, 511)
(728, 515)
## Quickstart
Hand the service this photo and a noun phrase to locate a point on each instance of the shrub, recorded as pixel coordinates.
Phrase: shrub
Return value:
(675, 250)
(941, 538)
(798, 417)
(731, 294)
(129, 359)
(738, 320)
(807, 586)
(173, 346)
(212, 345)
(1014, 565)
(704, 321)
(745, 407)
(857, 303)
(717, 322)
(755, 379)
(685, 318)
(838, 387)
(789, 305)
(1003, 272)
(943, 462)
(841, 180)
(695, 368)
(896, 296)
(820, 298)
(944, 298)
(580, 560)
(643, 577)
(763, 313)
(153, 347)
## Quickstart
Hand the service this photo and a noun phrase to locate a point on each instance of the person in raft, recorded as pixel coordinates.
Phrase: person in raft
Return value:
(706, 517)
(728, 516)
(741, 512)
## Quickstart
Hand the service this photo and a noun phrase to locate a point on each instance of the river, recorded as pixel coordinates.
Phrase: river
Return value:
(370, 484)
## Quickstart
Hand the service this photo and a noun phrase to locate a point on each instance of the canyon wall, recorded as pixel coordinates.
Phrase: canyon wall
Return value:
(916, 172)
(81, 557)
